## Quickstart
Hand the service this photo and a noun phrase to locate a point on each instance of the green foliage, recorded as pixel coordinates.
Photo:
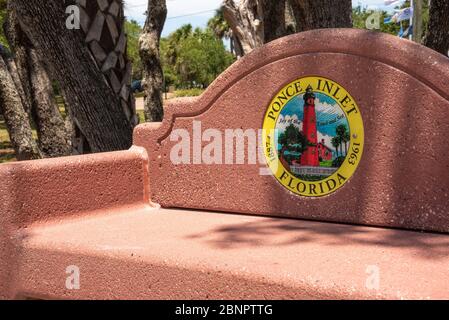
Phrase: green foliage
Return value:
(327, 163)
(293, 139)
(341, 139)
(133, 30)
(193, 58)
(308, 177)
(3, 40)
(338, 162)
(219, 25)
(342, 131)
(360, 15)
(292, 135)
(141, 115)
(425, 16)
(336, 142)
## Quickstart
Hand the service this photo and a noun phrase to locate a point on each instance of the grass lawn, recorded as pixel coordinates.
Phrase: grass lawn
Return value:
(139, 95)
(141, 116)
(326, 163)
(6, 150)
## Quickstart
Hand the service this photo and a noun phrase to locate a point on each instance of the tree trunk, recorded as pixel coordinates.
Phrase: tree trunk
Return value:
(417, 20)
(237, 48)
(255, 22)
(150, 55)
(16, 119)
(318, 14)
(37, 94)
(14, 72)
(437, 37)
(18, 67)
(103, 25)
(96, 108)
(290, 20)
(274, 19)
(54, 139)
(246, 22)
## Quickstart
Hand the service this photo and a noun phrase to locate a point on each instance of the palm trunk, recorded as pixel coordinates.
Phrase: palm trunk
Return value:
(103, 26)
(150, 55)
(93, 103)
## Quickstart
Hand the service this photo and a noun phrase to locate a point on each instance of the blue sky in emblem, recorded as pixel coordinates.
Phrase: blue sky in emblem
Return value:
(294, 106)
(329, 115)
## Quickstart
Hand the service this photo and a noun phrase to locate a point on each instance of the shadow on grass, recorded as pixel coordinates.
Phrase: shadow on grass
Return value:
(5, 145)
(7, 157)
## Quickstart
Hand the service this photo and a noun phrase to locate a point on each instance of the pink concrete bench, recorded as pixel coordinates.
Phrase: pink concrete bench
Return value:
(137, 225)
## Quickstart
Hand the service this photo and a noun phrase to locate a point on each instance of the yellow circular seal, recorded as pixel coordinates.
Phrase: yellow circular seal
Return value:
(313, 136)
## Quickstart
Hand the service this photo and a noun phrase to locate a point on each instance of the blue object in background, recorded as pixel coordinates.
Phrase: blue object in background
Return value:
(136, 86)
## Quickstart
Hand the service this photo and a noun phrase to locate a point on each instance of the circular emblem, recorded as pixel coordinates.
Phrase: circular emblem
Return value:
(313, 136)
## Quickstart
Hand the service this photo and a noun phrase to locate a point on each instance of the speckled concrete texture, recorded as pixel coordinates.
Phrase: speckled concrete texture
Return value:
(402, 90)
(96, 212)
(177, 254)
(55, 189)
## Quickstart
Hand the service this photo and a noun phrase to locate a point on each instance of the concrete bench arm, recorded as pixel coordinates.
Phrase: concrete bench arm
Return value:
(42, 190)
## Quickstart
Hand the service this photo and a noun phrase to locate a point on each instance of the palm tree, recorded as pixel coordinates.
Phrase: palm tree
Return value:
(219, 26)
(347, 138)
(336, 143)
(107, 41)
(103, 27)
(222, 30)
(342, 134)
(173, 40)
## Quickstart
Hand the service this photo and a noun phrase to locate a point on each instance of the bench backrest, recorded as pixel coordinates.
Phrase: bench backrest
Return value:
(366, 143)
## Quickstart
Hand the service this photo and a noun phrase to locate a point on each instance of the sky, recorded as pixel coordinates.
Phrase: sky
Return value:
(198, 12)
(329, 116)
(179, 12)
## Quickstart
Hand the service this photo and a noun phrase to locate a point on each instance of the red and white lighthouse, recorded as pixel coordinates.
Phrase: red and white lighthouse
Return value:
(310, 156)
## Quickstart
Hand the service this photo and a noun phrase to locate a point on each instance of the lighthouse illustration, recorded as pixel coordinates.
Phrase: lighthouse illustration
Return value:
(310, 157)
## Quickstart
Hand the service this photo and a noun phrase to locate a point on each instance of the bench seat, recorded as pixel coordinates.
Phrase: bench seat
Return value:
(150, 253)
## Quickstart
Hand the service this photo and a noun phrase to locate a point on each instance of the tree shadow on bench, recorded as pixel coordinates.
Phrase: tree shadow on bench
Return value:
(272, 232)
